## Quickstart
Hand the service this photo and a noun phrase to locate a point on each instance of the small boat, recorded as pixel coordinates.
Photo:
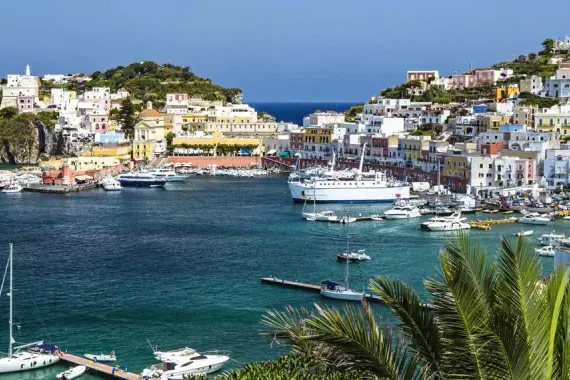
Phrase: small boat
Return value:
(547, 251)
(524, 233)
(376, 218)
(353, 257)
(111, 184)
(551, 239)
(72, 373)
(321, 216)
(347, 219)
(566, 217)
(508, 212)
(534, 218)
(14, 187)
(110, 357)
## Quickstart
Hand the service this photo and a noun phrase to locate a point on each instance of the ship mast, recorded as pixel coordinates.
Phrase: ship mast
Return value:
(362, 158)
(347, 252)
(11, 303)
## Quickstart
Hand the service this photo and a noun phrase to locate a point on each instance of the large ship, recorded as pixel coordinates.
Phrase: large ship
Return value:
(140, 179)
(347, 186)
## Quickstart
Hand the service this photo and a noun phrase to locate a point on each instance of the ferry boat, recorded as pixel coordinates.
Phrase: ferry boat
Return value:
(354, 186)
(168, 174)
(140, 179)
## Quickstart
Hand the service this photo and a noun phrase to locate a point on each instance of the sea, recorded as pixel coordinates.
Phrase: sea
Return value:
(294, 112)
(181, 266)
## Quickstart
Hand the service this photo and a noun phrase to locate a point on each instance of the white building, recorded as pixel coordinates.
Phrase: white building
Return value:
(177, 104)
(56, 78)
(557, 167)
(323, 118)
(495, 172)
(531, 85)
(18, 86)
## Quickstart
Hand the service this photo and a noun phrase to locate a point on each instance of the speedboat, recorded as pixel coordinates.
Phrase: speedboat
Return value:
(353, 257)
(322, 216)
(567, 217)
(447, 225)
(335, 290)
(111, 184)
(547, 251)
(551, 239)
(534, 218)
(403, 212)
(72, 373)
(456, 216)
(110, 357)
(376, 218)
(347, 219)
(178, 364)
(524, 233)
(13, 187)
(168, 174)
(140, 179)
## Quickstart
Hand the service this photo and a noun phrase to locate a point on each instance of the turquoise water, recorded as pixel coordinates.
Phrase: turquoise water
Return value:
(181, 266)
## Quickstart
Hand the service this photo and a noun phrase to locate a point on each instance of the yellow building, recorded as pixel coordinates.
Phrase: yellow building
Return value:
(318, 135)
(120, 152)
(552, 122)
(506, 92)
(412, 147)
(144, 149)
(149, 134)
(488, 123)
(456, 166)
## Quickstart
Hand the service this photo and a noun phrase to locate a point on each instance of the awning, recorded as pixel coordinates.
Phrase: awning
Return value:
(272, 151)
(83, 178)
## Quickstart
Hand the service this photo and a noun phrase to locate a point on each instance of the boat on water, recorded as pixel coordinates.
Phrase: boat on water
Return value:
(552, 239)
(178, 364)
(111, 184)
(524, 233)
(321, 216)
(332, 289)
(451, 223)
(110, 357)
(13, 187)
(28, 356)
(376, 218)
(72, 373)
(348, 186)
(534, 218)
(353, 257)
(140, 179)
(169, 175)
(567, 217)
(547, 251)
(403, 211)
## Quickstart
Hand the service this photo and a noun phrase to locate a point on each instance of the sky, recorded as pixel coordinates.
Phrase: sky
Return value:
(277, 51)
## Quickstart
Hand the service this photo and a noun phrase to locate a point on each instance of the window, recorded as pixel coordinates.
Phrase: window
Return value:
(490, 166)
(480, 166)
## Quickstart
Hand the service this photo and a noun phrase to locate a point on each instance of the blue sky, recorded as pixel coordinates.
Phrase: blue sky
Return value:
(294, 50)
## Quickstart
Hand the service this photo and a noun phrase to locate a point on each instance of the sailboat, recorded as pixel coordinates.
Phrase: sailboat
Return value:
(28, 356)
(332, 289)
(321, 216)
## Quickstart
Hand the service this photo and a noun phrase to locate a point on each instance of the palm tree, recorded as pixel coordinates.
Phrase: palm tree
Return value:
(485, 320)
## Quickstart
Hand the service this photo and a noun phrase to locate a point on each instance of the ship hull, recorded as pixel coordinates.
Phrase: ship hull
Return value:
(344, 194)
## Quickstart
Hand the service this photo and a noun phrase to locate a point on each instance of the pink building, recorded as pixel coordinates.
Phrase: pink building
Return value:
(25, 104)
(422, 75)
(460, 81)
(322, 118)
(296, 140)
(483, 77)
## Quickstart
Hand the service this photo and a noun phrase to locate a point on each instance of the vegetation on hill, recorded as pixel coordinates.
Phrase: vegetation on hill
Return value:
(351, 113)
(486, 318)
(151, 81)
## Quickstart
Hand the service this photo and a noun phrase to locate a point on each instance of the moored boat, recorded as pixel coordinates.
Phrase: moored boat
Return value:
(169, 175)
(110, 357)
(178, 364)
(547, 251)
(524, 233)
(552, 239)
(140, 179)
(353, 257)
(72, 373)
(403, 211)
(534, 218)
(13, 187)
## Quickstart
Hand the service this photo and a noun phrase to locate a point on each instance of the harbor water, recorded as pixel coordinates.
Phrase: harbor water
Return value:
(98, 271)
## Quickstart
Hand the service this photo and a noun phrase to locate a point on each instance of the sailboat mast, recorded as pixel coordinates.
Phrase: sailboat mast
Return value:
(11, 302)
(314, 197)
(347, 253)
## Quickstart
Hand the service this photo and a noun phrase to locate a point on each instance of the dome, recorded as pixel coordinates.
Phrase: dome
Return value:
(149, 113)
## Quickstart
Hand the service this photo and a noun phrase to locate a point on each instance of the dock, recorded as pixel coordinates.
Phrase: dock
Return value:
(99, 368)
(485, 225)
(58, 189)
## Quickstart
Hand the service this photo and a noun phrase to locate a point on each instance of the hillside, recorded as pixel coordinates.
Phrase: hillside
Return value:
(152, 81)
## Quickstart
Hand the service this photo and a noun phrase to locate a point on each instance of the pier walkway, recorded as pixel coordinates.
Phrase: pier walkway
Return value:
(100, 368)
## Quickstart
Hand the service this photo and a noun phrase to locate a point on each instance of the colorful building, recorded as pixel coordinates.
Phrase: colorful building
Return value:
(506, 92)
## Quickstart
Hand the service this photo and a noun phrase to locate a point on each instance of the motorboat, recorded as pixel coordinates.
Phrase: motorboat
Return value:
(321, 216)
(140, 179)
(567, 217)
(547, 251)
(403, 212)
(524, 233)
(72, 373)
(456, 216)
(13, 187)
(376, 218)
(353, 257)
(447, 225)
(332, 289)
(347, 219)
(111, 184)
(110, 357)
(169, 175)
(551, 239)
(28, 356)
(534, 218)
(466, 210)
(178, 364)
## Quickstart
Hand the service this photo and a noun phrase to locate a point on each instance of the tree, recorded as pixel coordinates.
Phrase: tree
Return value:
(548, 45)
(127, 117)
(8, 112)
(169, 137)
(486, 319)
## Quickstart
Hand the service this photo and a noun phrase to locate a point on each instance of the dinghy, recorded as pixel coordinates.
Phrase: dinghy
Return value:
(102, 357)
(72, 373)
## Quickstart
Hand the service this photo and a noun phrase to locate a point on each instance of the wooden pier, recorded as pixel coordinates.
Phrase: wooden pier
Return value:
(99, 368)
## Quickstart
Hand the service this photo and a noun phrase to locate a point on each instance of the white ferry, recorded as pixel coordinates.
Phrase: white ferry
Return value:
(353, 186)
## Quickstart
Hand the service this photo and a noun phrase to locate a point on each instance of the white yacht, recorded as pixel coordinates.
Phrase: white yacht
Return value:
(348, 186)
(353, 257)
(321, 216)
(178, 364)
(332, 289)
(28, 356)
(534, 218)
(13, 187)
(111, 184)
(450, 223)
(524, 233)
(551, 239)
(547, 251)
(404, 211)
(169, 175)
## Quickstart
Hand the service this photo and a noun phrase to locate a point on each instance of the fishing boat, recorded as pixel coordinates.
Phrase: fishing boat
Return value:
(524, 233)
(353, 257)
(110, 357)
(332, 289)
(13, 187)
(178, 364)
(140, 179)
(72, 373)
(547, 251)
(357, 186)
(28, 356)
